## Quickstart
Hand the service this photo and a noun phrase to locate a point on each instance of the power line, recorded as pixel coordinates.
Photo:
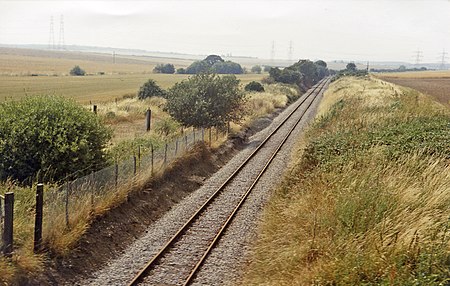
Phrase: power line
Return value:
(272, 52)
(61, 44)
(443, 58)
(290, 51)
(51, 37)
(419, 56)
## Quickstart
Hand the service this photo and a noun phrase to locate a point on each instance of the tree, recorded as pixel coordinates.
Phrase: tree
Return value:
(321, 63)
(206, 100)
(198, 67)
(181, 71)
(164, 68)
(254, 86)
(77, 71)
(149, 89)
(286, 75)
(50, 135)
(227, 67)
(213, 59)
(351, 67)
(256, 69)
(267, 68)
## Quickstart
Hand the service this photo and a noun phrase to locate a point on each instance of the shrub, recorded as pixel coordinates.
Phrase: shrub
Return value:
(167, 127)
(164, 68)
(206, 100)
(150, 89)
(254, 86)
(181, 71)
(51, 135)
(77, 71)
(256, 69)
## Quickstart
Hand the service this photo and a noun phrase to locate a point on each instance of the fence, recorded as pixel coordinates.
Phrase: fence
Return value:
(70, 206)
(67, 205)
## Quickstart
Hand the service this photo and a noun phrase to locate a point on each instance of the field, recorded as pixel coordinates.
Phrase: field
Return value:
(124, 77)
(434, 83)
(366, 200)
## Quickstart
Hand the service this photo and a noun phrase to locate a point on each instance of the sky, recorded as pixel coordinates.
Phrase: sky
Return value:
(364, 30)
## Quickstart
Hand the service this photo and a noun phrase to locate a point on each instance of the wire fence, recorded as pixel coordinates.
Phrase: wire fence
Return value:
(67, 204)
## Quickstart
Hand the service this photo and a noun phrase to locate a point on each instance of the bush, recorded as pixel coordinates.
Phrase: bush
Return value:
(167, 127)
(206, 100)
(167, 69)
(51, 135)
(181, 71)
(254, 86)
(256, 69)
(77, 71)
(214, 64)
(150, 89)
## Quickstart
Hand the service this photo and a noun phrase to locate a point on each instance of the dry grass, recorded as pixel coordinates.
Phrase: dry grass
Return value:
(418, 74)
(366, 202)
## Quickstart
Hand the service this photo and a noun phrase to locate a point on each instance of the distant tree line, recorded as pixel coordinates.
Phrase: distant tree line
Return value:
(303, 73)
(164, 68)
(401, 68)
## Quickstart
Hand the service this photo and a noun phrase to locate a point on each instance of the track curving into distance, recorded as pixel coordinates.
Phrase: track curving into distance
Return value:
(182, 256)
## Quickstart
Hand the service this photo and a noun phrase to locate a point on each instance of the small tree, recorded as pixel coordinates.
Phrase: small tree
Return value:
(181, 71)
(206, 100)
(164, 68)
(256, 69)
(351, 67)
(77, 71)
(51, 135)
(149, 89)
(254, 86)
(267, 68)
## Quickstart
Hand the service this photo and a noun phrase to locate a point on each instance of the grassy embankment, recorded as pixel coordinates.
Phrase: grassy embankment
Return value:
(123, 117)
(366, 201)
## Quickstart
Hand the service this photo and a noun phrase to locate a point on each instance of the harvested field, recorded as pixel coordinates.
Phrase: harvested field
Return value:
(434, 83)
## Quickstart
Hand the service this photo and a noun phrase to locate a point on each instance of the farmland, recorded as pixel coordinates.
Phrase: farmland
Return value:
(434, 83)
(122, 78)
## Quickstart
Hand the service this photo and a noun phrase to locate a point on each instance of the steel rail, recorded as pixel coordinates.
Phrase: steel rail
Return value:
(140, 275)
(244, 197)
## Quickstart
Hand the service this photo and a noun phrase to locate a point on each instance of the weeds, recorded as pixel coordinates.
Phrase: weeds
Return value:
(367, 202)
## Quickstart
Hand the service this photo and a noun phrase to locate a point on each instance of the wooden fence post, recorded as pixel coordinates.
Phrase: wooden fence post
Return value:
(185, 142)
(139, 157)
(152, 159)
(209, 136)
(203, 134)
(8, 225)
(66, 203)
(95, 109)
(116, 174)
(134, 165)
(38, 217)
(165, 154)
(176, 147)
(193, 131)
(148, 119)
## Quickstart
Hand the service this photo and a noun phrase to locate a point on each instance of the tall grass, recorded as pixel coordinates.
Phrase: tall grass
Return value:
(367, 200)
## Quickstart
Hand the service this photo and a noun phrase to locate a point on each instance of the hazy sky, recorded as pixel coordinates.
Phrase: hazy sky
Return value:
(339, 29)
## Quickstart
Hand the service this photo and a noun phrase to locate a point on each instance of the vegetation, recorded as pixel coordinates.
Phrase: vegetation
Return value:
(51, 135)
(214, 64)
(150, 89)
(77, 71)
(365, 202)
(401, 68)
(304, 73)
(206, 100)
(164, 68)
(181, 71)
(254, 86)
(256, 69)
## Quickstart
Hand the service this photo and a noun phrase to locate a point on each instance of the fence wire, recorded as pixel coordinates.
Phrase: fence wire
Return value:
(70, 202)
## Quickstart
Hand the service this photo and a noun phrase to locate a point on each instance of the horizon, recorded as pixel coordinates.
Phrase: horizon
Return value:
(359, 31)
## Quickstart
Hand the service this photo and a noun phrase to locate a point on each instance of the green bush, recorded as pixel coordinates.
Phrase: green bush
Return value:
(254, 86)
(51, 135)
(77, 71)
(206, 100)
(149, 89)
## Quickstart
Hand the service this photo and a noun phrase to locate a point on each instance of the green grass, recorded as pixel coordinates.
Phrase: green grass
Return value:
(366, 201)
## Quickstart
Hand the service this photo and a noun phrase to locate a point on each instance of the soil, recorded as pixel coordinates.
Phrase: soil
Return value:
(111, 233)
(438, 88)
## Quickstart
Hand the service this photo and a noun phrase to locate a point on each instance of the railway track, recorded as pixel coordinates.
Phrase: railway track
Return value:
(183, 255)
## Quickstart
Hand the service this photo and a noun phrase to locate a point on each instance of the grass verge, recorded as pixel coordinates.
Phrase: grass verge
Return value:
(366, 201)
